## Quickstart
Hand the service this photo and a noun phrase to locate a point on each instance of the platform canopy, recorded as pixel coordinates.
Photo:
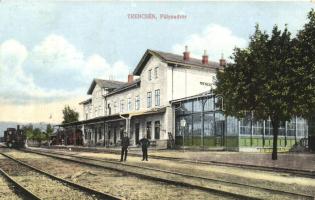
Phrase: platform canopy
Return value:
(109, 118)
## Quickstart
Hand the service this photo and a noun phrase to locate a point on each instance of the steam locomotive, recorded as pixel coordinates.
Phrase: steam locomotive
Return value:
(14, 138)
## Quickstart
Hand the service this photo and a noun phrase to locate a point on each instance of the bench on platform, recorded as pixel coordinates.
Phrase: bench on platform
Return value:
(269, 149)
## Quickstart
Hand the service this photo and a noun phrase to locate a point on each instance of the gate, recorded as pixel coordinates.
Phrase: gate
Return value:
(219, 132)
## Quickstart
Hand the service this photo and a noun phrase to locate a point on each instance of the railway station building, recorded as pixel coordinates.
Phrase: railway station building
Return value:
(169, 99)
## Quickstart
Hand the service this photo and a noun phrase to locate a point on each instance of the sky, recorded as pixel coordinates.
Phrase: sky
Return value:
(50, 51)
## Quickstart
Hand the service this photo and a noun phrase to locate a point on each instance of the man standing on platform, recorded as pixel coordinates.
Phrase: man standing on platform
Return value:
(145, 143)
(124, 147)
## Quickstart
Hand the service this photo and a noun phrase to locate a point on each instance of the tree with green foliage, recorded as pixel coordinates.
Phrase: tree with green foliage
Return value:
(28, 129)
(260, 80)
(38, 135)
(48, 133)
(304, 68)
(69, 115)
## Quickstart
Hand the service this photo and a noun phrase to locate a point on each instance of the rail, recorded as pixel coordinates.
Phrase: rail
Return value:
(187, 175)
(301, 172)
(91, 191)
(176, 173)
(25, 192)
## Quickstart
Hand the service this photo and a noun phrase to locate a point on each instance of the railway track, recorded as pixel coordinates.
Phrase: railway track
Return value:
(115, 182)
(303, 173)
(19, 190)
(265, 193)
(48, 180)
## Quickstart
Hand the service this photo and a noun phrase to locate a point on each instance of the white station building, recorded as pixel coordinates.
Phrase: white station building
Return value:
(143, 105)
(168, 98)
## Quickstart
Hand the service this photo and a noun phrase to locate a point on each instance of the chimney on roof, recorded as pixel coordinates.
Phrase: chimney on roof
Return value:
(205, 60)
(222, 61)
(186, 54)
(130, 78)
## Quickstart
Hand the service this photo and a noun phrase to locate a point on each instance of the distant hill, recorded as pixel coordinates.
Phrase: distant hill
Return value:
(5, 125)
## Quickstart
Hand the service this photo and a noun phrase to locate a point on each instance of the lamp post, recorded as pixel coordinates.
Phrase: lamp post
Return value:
(183, 125)
(219, 97)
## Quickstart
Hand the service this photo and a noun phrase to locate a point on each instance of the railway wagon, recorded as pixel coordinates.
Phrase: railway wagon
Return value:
(14, 138)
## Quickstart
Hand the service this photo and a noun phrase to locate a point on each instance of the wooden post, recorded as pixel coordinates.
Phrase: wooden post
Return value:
(264, 132)
(203, 102)
(104, 134)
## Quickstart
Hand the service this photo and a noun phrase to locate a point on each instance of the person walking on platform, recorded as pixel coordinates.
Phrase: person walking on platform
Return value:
(124, 147)
(145, 143)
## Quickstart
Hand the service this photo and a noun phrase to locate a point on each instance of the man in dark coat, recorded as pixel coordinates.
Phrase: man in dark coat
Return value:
(124, 147)
(145, 143)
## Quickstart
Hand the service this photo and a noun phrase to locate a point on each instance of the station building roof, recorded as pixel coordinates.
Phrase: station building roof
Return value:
(171, 58)
(206, 94)
(86, 101)
(126, 86)
(110, 84)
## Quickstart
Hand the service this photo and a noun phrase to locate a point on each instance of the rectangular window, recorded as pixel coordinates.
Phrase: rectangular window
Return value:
(197, 105)
(157, 97)
(149, 127)
(115, 107)
(157, 130)
(99, 133)
(150, 74)
(281, 130)
(129, 104)
(208, 124)
(291, 127)
(121, 106)
(137, 103)
(109, 109)
(197, 125)
(258, 127)
(156, 71)
(149, 99)
(245, 124)
(301, 127)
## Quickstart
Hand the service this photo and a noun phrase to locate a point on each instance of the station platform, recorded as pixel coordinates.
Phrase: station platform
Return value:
(295, 161)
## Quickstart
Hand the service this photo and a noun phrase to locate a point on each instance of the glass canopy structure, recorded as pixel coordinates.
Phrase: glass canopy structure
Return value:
(200, 121)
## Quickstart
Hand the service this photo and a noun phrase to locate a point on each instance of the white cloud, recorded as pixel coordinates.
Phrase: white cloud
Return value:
(120, 70)
(215, 39)
(99, 67)
(12, 53)
(53, 70)
(66, 62)
(56, 53)
(13, 81)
